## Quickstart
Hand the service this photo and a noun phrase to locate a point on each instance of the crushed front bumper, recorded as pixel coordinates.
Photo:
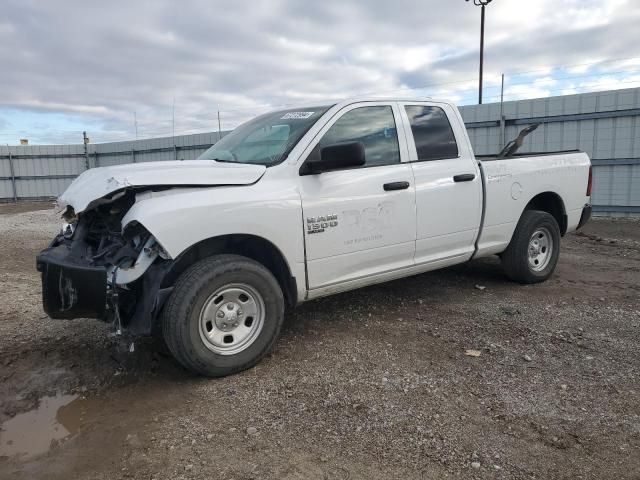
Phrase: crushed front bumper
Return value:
(71, 290)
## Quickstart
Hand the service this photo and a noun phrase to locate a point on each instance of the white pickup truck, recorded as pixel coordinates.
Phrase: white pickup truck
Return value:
(295, 205)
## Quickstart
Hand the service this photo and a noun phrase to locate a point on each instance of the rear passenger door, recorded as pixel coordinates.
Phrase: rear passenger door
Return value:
(447, 182)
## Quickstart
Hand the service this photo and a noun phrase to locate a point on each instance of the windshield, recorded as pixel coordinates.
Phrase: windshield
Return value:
(267, 139)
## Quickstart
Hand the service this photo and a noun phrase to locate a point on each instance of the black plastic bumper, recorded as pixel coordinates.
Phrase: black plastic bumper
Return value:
(70, 290)
(586, 215)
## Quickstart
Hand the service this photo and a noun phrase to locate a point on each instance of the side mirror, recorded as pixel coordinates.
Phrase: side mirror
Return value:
(335, 157)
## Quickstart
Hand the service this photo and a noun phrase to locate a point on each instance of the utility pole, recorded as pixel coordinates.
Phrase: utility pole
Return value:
(173, 128)
(482, 4)
(219, 133)
(13, 176)
(135, 122)
(85, 140)
(502, 119)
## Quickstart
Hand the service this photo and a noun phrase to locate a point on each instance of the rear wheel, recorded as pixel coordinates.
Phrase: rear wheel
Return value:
(532, 254)
(223, 316)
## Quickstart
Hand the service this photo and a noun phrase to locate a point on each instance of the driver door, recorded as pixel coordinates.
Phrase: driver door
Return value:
(360, 222)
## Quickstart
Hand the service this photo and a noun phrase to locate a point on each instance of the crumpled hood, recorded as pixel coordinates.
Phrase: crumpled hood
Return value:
(94, 184)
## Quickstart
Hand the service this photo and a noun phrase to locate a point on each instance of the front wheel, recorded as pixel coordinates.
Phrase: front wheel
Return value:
(532, 254)
(223, 315)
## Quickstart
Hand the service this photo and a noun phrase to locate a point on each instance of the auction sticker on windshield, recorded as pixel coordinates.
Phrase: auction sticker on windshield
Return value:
(296, 115)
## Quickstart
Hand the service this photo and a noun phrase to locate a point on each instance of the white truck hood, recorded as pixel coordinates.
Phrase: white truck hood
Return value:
(94, 184)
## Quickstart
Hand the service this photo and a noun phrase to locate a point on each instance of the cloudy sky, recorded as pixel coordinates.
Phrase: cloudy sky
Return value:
(68, 66)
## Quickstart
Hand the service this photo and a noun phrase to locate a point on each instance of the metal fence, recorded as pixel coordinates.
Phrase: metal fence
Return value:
(606, 125)
(45, 171)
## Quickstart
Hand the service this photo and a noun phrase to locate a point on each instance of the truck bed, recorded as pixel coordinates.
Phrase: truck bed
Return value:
(511, 183)
(489, 158)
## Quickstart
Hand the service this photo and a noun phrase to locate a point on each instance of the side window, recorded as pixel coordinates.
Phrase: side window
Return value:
(375, 127)
(432, 132)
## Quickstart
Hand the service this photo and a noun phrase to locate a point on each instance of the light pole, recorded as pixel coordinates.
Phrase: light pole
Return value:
(482, 4)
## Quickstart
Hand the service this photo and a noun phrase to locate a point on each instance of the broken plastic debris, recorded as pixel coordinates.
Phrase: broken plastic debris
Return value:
(472, 353)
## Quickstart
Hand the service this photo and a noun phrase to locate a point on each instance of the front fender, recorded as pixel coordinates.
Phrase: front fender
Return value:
(181, 218)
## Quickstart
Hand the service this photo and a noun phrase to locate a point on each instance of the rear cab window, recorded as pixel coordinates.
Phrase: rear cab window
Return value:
(432, 133)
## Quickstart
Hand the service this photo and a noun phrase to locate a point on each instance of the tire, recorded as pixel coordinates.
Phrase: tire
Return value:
(536, 265)
(203, 321)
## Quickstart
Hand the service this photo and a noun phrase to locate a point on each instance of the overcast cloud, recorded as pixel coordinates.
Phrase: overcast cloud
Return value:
(74, 65)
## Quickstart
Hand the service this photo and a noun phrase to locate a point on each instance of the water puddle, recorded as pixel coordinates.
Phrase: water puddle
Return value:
(33, 433)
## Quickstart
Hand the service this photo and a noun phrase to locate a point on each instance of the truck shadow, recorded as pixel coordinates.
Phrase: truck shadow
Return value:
(436, 286)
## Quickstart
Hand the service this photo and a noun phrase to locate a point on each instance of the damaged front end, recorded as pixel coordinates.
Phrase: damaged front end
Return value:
(95, 268)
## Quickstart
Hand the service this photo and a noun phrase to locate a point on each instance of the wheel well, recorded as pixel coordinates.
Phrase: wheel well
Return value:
(552, 204)
(251, 246)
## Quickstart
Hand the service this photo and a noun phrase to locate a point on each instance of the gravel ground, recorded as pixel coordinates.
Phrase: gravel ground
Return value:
(372, 384)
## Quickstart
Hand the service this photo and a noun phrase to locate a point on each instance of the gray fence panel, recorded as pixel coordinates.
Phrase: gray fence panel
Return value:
(38, 166)
(5, 168)
(6, 189)
(617, 185)
(40, 188)
(120, 159)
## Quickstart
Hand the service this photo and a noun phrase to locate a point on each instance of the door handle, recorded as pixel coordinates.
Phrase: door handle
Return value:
(395, 186)
(465, 177)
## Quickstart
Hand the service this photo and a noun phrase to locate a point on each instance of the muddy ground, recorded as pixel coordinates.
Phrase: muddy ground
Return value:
(372, 384)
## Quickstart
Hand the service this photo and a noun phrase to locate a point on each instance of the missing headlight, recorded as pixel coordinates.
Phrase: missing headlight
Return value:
(69, 215)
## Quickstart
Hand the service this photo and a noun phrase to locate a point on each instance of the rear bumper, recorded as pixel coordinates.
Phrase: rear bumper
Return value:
(586, 215)
(69, 289)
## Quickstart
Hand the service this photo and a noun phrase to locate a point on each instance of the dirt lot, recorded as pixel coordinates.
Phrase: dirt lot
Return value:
(373, 384)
